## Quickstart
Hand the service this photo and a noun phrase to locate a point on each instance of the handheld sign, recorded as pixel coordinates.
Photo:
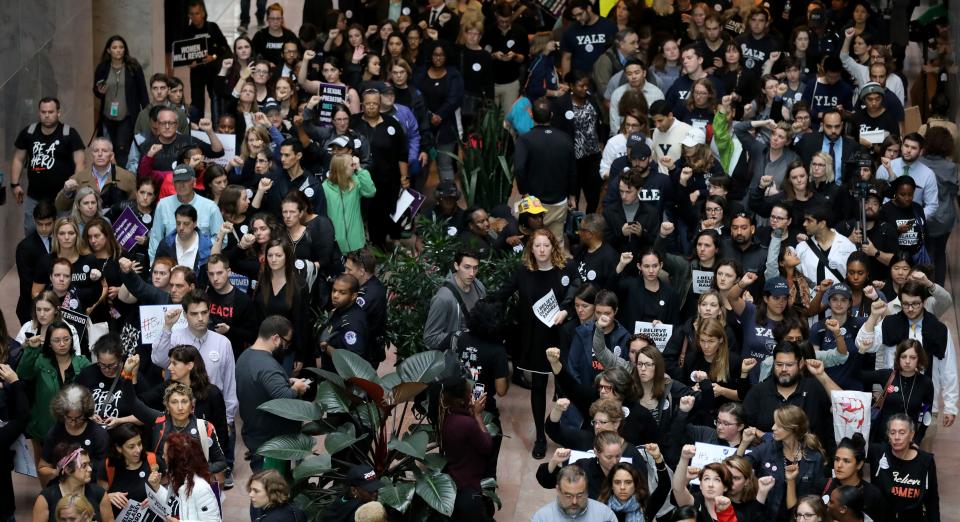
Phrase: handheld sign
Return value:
(189, 52)
(79, 323)
(128, 228)
(151, 321)
(330, 96)
(547, 308)
(851, 413)
(229, 142)
(660, 333)
(701, 281)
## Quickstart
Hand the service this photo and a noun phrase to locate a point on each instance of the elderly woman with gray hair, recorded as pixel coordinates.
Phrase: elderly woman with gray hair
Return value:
(72, 408)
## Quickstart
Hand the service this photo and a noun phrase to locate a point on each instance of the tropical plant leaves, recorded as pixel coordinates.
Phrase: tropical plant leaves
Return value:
(327, 375)
(343, 438)
(397, 495)
(293, 409)
(332, 398)
(349, 365)
(421, 367)
(288, 447)
(489, 488)
(406, 391)
(390, 380)
(370, 416)
(312, 466)
(414, 445)
(435, 461)
(438, 491)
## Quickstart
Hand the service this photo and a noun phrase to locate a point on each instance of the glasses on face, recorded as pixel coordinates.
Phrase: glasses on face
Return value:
(60, 340)
(74, 419)
(167, 123)
(714, 210)
(597, 422)
(774, 217)
(723, 424)
(784, 365)
(806, 516)
(108, 367)
(571, 497)
(645, 365)
(604, 388)
(910, 306)
(260, 71)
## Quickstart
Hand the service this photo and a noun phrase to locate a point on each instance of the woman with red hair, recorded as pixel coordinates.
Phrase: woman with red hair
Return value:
(189, 477)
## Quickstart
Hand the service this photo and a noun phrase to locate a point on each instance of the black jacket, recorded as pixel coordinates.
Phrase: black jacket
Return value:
(545, 166)
(31, 256)
(812, 143)
(135, 89)
(763, 399)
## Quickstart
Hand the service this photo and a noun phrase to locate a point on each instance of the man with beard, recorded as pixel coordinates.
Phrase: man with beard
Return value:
(881, 236)
(788, 386)
(572, 502)
(260, 378)
(645, 194)
(824, 254)
(741, 246)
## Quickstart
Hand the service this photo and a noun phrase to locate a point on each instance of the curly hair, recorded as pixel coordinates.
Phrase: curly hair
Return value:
(556, 254)
(277, 489)
(185, 460)
(177, 387)
(72, 397)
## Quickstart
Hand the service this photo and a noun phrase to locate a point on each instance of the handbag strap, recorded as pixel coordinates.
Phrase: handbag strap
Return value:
(823, 258)
(683, 351)
(883, 393)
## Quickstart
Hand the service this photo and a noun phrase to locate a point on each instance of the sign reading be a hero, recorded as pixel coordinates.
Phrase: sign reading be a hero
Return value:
(189, 52)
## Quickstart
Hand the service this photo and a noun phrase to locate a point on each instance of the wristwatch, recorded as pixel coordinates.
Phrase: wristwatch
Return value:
(14, 185)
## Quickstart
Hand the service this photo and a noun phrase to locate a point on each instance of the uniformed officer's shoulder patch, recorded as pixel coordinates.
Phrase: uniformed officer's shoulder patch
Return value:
(350, 337)
(361, 301)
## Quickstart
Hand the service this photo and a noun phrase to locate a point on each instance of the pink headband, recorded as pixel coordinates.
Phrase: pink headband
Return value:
(65, 461)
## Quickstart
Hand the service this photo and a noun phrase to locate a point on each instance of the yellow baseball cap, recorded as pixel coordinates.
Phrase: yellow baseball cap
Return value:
(531, 205)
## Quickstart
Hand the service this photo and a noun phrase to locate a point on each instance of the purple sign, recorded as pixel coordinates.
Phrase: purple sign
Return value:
(128, 228)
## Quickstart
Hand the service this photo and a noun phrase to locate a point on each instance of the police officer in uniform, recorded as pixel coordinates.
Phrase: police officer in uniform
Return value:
(372, 299)
(346, 329)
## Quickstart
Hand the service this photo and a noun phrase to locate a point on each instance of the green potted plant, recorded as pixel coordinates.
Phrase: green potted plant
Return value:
(366, 418)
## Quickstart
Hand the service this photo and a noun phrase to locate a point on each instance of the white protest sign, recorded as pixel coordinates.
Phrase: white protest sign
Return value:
(660, 333)
(851, 413)
(156, 504)
(547, 308)
(580, 455)
(710, 453)
(229, 142)
(701, 281)
(132, 512)
(151, 321)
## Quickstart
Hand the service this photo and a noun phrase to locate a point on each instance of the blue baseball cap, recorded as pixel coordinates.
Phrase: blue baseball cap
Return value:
(776, 286)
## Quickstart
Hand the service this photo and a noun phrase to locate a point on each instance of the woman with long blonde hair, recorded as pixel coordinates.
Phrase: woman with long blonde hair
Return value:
(345, 185)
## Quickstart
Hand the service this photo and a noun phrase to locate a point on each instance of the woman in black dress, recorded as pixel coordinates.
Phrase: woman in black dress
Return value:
(546, 289)
(442, 87)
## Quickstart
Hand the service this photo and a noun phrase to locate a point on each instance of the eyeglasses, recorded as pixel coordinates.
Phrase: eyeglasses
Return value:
(60, 340)
(74, 420)
(806, 516)
(167, 123)
(260, 71)
(782, 365)
(598, 422)
(113, 366)
(719, 423)
(911, 306)
(778, 218)
(714, 210)
(604, 387)
(644, 365)
(571, 496)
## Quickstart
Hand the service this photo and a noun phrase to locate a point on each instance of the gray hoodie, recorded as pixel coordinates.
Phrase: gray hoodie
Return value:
(445, 317)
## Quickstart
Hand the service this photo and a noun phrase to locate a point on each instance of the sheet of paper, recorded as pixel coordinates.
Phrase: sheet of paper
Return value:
(151, 322)
(403, 203)
(874, 137)
(660, 333)
(547, 308)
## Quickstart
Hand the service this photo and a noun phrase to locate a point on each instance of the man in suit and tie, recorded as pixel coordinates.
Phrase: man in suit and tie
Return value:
(440, 17)
(831, 141)
(33, 255)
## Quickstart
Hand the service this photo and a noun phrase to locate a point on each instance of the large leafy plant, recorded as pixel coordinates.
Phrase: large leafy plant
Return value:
(368, 419)
(412, 280)
(485, 169)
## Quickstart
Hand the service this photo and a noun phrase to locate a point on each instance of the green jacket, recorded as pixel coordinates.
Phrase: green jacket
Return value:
(343, 209)
(34, 366)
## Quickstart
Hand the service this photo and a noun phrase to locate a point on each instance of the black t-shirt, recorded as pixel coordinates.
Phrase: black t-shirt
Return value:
(168, 155)
(129, 481)
(49, 159)
(118, 403)
(756, 51)
(886, 121)
(487, 362)
(598, 267)
(94, 440)
(912, 239)
(270, 47)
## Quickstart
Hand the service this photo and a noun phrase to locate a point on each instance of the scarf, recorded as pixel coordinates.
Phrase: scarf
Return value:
(933, 331)
(630, 508)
